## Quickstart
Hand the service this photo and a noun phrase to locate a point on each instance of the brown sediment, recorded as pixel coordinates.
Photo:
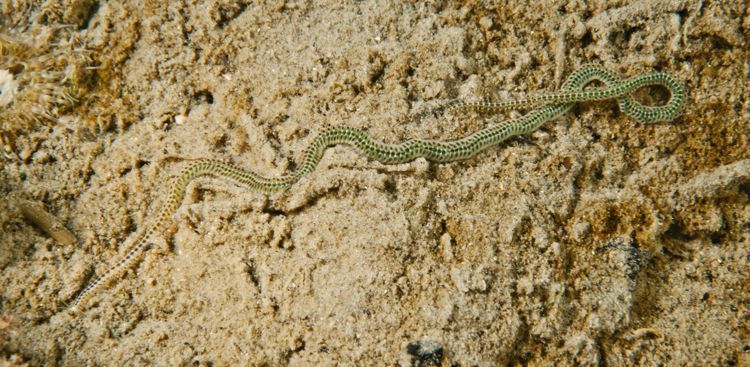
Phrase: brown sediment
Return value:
(593, 241)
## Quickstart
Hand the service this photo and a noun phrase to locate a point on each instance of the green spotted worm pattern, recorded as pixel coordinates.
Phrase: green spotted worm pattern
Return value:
(545, 107)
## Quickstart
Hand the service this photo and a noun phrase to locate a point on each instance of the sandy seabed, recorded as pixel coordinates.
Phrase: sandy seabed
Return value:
(595, 241)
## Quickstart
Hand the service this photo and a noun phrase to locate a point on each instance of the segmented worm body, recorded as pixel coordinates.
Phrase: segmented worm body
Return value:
(545, 108)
